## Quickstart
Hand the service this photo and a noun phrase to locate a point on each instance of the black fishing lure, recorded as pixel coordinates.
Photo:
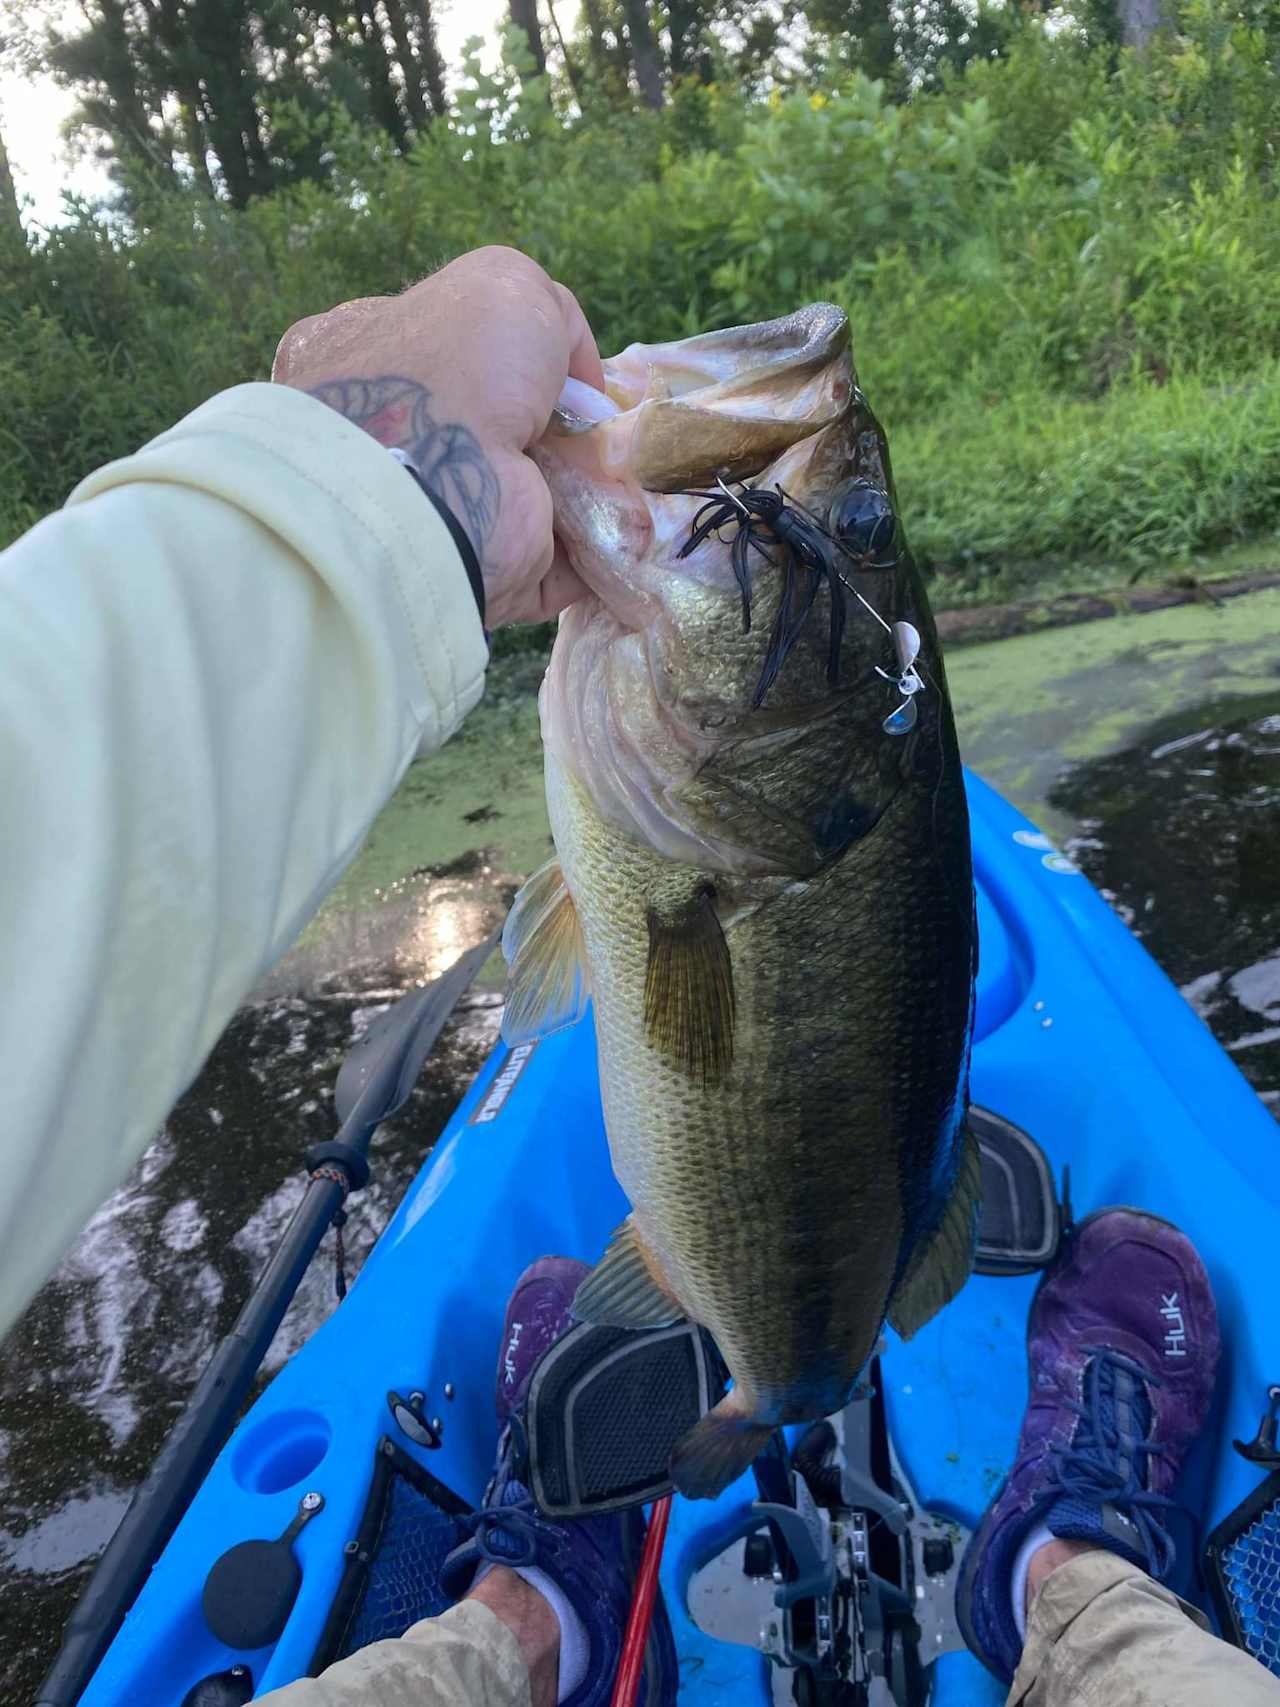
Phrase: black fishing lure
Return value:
(864, 530)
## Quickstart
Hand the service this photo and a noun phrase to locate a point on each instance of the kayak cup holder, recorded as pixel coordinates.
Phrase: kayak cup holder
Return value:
(280, 1451)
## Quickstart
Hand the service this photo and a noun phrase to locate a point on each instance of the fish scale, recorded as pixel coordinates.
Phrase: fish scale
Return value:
(769, 896)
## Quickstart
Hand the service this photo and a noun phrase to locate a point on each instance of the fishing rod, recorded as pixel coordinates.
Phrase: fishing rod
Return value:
(374, 1082)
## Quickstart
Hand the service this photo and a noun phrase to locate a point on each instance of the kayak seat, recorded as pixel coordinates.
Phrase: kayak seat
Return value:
(1022, 1222)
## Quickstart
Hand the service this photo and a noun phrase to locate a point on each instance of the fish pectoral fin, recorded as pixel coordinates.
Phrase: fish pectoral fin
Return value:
(625, 1289)
(940, 1267)
(718, 1448)
(547, 984)
(688, 989)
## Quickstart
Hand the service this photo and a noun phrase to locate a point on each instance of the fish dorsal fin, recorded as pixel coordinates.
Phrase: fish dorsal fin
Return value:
(688, 989)
(940, 1267)
(547, 985)
(624, 1290)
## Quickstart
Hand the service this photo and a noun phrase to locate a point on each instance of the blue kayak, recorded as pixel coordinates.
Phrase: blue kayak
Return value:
(1080, 1039)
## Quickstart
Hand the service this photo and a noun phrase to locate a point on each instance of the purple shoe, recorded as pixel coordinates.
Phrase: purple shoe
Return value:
(1122, 1344)
(592, 1560)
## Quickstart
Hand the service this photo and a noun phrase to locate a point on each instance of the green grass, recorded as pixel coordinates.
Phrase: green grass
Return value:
(998, 498)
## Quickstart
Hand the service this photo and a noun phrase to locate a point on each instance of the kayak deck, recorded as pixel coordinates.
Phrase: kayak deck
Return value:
(1079, 1039)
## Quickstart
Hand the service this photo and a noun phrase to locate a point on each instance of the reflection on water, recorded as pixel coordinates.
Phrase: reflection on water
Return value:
(409, 933)
(95, 1373)
(1181, 834)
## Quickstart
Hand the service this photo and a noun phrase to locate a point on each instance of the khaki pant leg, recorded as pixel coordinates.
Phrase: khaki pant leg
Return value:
(465, 1658)
(1101, 1633)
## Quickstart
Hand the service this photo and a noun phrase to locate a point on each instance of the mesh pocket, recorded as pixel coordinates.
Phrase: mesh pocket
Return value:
(411, 1523)
(1251, 1569)
(1243, 1567)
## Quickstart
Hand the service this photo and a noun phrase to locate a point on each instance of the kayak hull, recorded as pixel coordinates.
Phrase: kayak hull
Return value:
(1079, 1038)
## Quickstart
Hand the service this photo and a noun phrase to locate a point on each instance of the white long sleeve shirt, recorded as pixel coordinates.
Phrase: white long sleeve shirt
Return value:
(215, 665)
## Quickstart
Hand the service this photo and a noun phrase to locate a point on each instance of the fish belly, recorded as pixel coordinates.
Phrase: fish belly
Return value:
(772, 1201)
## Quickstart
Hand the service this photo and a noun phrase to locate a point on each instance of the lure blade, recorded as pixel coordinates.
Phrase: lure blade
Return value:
(903, 720)
(906, 644)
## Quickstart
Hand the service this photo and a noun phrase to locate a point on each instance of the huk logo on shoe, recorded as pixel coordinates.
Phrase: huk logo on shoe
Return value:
(509, 1356)
(1175, 1332)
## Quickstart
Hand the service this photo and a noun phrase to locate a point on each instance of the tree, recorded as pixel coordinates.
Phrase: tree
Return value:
(524, 15)
(686, 23)
(1139, 21)
(907, 46)
(10, 218)
(608, 55)
(644, 51)
(192, 87)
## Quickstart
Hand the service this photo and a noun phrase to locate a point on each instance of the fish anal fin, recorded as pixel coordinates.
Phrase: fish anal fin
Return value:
(689, 1002)
(625, 1289)
(547, 983)
(940, 1267)
(718, 1448)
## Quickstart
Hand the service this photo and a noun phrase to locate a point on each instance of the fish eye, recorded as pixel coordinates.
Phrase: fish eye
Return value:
(862, 519)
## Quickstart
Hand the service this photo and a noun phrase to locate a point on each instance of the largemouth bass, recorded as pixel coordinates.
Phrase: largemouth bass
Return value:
(763, 876)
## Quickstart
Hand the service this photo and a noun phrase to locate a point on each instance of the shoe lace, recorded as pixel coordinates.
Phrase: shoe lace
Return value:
(505, 1534)
(505, 1526)
(1105, 1464)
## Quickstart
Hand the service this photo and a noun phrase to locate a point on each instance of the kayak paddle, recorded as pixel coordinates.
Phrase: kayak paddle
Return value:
(374, 1082)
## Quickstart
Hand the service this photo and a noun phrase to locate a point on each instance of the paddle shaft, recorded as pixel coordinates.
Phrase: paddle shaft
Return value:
(626, 1686)
(186, 1456)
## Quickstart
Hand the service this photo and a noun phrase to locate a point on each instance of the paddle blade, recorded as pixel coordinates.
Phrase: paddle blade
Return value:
(377, 1076)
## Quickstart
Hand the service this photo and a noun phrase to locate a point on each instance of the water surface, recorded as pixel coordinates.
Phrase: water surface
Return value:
(1181, 832)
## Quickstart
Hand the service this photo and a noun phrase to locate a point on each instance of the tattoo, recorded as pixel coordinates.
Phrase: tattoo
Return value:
(448, 455)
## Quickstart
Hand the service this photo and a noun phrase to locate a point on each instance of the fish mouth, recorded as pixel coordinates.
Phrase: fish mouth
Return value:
(718, 685)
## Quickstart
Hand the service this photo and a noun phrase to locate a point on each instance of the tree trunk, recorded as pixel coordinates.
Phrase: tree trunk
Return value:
(197, 147)
(570, 64)
(429, 54)
(409, 66)
(1139, 21)
(597, 50)
(382, 91)
(644, 51)
(524, 15)
(118, 75)
(684, 20)
(10, 218)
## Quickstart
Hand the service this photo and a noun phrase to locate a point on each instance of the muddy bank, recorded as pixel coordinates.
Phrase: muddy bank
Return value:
(1064, 610)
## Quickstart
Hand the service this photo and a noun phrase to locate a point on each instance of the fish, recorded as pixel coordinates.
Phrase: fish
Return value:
(762, 879)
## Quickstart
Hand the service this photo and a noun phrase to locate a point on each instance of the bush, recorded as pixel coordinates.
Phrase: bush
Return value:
(1146, 474)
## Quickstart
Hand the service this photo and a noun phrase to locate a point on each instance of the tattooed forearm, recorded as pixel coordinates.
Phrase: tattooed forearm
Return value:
(397, 412)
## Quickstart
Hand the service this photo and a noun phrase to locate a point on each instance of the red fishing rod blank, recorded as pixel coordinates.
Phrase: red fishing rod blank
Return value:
(635, 1640)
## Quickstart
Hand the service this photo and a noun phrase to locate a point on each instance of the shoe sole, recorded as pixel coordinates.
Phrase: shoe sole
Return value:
(964, 1593)
(969, 1566)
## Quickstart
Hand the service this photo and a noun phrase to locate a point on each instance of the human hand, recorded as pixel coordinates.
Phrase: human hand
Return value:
(462, 372)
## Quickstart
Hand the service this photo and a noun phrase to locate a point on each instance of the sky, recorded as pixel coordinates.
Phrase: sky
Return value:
(33, 111)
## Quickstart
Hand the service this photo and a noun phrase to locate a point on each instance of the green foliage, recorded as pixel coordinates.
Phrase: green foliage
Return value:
(1147, 474)
(1062, 266)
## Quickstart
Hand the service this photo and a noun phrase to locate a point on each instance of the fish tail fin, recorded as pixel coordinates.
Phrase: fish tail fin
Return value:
(718, 1448)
